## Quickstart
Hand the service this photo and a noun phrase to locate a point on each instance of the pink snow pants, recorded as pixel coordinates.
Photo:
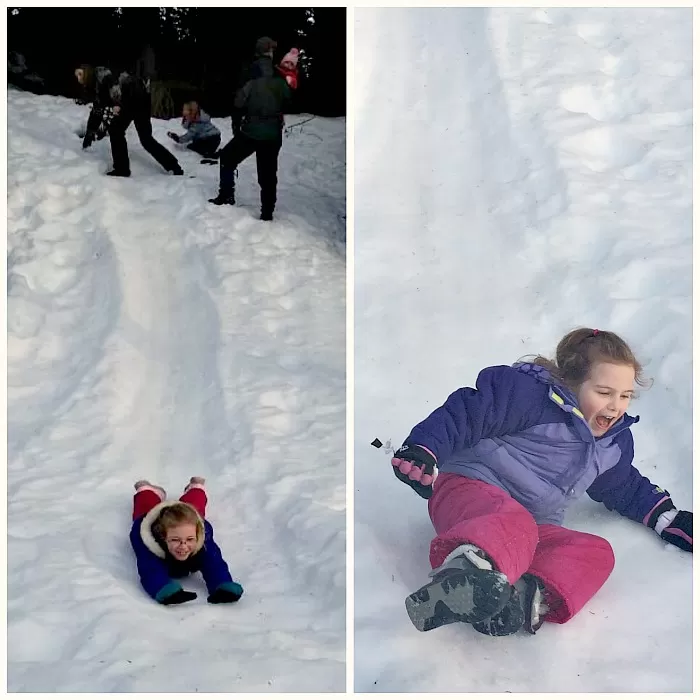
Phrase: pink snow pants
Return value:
(572, 565)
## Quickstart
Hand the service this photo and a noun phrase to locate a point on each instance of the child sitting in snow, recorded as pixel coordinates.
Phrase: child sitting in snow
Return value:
(288, 68)
(171, 539)
(513, 454)
(201, 135)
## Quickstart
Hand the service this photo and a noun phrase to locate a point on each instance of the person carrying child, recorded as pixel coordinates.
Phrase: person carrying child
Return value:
(513, 454)
(171, 539)
(257, 123)
(201, 135)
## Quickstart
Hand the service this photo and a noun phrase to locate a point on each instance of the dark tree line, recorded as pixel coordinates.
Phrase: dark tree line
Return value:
(189, 53)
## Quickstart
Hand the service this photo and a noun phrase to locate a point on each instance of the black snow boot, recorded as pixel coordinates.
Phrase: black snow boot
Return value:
(265, 215)
(525, 610)
(119, 173)
(466, 588)
(222, 198)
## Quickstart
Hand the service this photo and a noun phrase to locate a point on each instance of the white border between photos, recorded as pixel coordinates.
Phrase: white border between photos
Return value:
(350, 355)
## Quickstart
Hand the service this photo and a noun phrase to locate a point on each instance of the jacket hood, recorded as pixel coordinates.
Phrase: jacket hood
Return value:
(148, 537)
(541, 374)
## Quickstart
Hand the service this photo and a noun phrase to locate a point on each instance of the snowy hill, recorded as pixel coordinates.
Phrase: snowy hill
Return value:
(151, 334)
(519, 173)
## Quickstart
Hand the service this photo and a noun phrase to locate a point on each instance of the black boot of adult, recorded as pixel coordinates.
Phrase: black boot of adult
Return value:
(223, 198)
(226, 186)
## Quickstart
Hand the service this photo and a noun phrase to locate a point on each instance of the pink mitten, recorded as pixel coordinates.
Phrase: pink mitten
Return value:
(416, 466)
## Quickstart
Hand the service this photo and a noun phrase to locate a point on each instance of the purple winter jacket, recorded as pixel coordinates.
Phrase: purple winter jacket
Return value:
(524, 433)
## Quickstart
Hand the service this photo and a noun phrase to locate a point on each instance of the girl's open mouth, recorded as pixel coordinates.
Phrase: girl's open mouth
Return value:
(604, 422)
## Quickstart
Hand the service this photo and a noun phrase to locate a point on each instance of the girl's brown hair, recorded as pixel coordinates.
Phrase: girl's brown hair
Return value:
(88, 75)
(578, 350)
(174, 515)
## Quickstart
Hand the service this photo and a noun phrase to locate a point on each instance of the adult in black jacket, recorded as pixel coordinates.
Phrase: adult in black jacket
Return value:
(116, 102)
(257, 122)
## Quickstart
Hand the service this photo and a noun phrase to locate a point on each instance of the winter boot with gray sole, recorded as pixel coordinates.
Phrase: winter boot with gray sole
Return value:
(524, 611)
(459, 592)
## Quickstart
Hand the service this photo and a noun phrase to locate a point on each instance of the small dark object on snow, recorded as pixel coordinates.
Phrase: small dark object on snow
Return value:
(376, 443)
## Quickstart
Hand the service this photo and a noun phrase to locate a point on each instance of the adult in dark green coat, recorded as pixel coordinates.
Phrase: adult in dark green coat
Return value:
(257, 121)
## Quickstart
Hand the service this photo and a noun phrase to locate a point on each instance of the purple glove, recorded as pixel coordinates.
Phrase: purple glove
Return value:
(416, 466)
(672, 525)
(679, 531)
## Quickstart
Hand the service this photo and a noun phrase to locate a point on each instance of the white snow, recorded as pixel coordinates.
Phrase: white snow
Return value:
(151, 334)
(520, 172)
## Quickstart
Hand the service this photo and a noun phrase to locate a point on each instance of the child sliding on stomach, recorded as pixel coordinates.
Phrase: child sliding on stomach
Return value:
(171, 539)
(513, 454)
